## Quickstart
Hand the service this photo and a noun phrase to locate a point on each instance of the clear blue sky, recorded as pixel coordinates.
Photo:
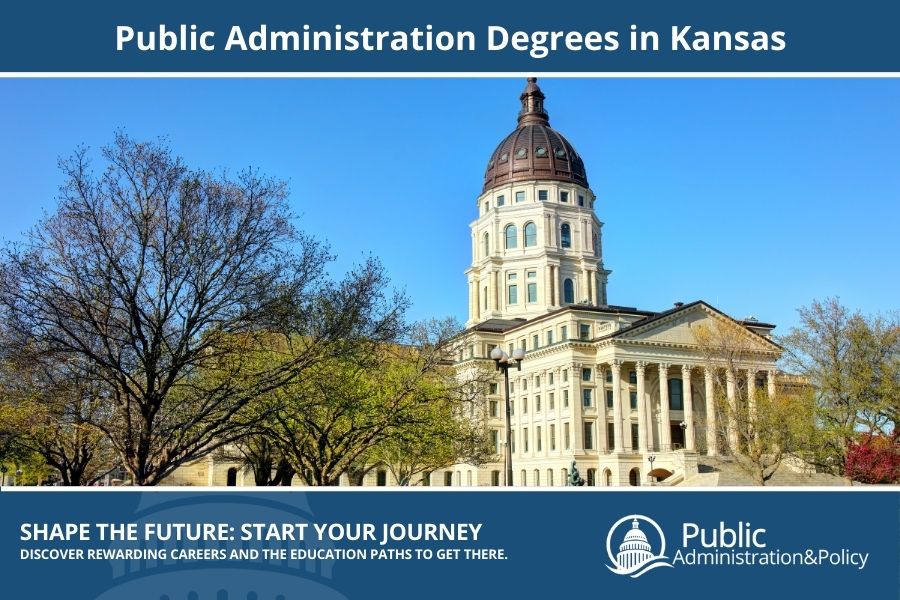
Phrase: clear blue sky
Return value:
(756, 195)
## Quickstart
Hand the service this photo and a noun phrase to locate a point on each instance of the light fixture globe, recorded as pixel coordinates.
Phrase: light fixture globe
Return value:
(518, 354)
(496, 353)
(504, 357)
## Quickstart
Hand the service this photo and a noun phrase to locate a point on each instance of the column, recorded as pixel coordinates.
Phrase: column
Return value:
(577, 404)
(709, 392)
(688, 408)
(665, 431)
(617, 403)
(555, 271)
(770, 382)
(751, 399)
(548, 288)
(602, 417)
(642, 410)
(732, 409)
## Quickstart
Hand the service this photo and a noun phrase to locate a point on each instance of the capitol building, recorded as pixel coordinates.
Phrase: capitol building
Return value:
(623, 392)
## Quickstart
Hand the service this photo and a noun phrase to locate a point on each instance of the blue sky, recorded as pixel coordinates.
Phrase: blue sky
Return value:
(756, 195)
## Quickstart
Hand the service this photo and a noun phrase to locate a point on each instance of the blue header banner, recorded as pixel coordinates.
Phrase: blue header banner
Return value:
(460, 36)
(290, 545)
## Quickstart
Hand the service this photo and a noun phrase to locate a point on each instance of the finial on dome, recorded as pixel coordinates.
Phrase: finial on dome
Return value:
(533, 104)
(634, 524)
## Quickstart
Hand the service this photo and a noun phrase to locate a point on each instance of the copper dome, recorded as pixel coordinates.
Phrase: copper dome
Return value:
(534, 150)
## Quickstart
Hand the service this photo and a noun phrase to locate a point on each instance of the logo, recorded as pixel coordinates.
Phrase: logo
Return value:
(635, 556)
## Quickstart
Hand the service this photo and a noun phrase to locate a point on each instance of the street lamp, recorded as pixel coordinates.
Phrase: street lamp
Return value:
(18, 476)
(3, 470)
(683, 426)
(651, 458)
(501, 359)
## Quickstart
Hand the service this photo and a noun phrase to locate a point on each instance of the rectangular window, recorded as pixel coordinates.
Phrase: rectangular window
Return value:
(608, 375)
(587, 396)
(448, 478)
(537, 443)
(486, 206)
(584, 331)
(542, 195)
(551, 378)
(532, 293)
(552, 437)
(632, 397)
(495, 440)
(565, 375)
(565, 398)
(512, 407)
(512, 444)
(537, 403)
(585, 374)
(520, 196)
(580, 200)
(552, 400)
(524, 406)
(525, 439)
(512, 295)
(610, 436)
(537, 381)
(632, 377)
(588, 435)
(634, 436)
(566, 437)
(524, 381)
(609, 398)
(676, 400)
(495, 478)
(492, 388)
(493, 408)
(535, 339)
(550, 341)
(564, 196)
(510, 347)
(564, 333)
(501, 200)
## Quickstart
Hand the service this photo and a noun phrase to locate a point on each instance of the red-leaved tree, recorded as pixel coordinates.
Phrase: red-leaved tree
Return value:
(874, 459)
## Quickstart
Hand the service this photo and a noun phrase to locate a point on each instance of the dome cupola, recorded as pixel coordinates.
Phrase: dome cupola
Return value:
(534, 150)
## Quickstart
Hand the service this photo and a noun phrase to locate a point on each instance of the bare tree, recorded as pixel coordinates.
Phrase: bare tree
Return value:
(152, 272)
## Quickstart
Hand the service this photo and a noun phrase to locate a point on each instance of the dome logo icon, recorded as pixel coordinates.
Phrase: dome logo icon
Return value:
(635, 556)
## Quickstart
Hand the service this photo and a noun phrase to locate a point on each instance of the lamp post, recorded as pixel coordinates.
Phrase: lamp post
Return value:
(651, 458)
(3, 470)
(683, 426)
(501, 359)
(18, 477)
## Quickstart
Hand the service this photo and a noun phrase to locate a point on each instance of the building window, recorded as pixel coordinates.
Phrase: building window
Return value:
(676, 400)
(511, 235)
(610, 437)
(567, 438)
(634, 477)
(552, 437)
(512, 294)
(537, 381)
(580, 200)
(587, 396)
(495, 478)
(535, 339)
(542, 195)
(550, 341)
(532, 297)
(565, 375)
(512, 404)
(448, 478)
(537, 477)
(381, 478)
(512, 444)
(609, 398)
(520, 196)
(487, 206)
(584, 331)
(565, 398)
(607, 475)
(564, 196)
(537, 403)
(495, 440)
(469, 478)
(492, 388)
(634, 436)
(585, 374)
(537, 443)
(530, 235)
(589, 435)
(592, 477)
(525, 439)
(550, 477)
(501, 200)
(524, 406)
(552, 400)
(493, 408)
(486, 244)
(524, 381)
(426, 479)
(524, 480)
(565, 235)
(632, 377)
(484, 296)
(550, 380)
(568, 293)
(608, 375)
(564, 333)
(632, 397)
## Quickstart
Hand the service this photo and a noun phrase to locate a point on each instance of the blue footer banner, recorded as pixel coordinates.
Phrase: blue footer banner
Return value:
(287, 545)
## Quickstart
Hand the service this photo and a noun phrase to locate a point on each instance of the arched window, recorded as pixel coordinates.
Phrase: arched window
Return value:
(537, 477)
(565, 235)
(511, 234)
(592, 477)
(530, 235)
(634, 477)
(486, 244)
(568, 291)
(381, 478)
(550, 477)
(232, 477)
(607, 477)
(524, 478)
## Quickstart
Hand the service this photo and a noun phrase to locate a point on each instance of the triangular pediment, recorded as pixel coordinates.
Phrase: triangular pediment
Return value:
(681, 327)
